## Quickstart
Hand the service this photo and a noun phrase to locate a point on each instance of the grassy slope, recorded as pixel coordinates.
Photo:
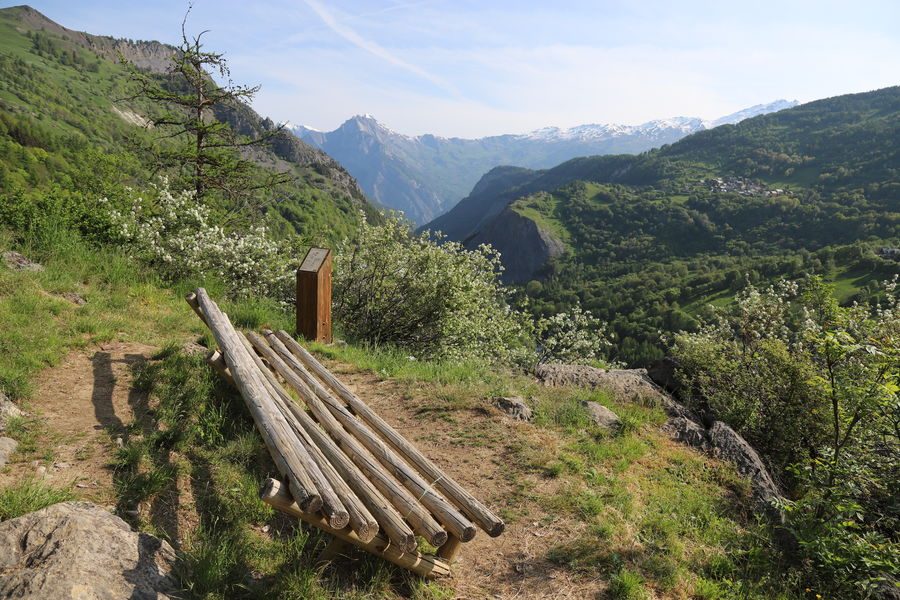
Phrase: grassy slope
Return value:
(83, 144)
(631, 514)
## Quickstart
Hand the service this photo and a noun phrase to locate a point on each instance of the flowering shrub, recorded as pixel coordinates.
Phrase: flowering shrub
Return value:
(433, 299)
(816, 387)
(576, 337)
(178, 236)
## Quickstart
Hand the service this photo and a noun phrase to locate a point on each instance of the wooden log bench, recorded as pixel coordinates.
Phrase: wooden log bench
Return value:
(343, 468)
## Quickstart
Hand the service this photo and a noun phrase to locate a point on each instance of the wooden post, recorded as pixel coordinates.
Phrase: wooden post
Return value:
(314, 296)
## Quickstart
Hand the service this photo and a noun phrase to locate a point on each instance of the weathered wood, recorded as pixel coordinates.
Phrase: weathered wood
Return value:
(274, 494)
(464, 501)
(405, 503)
(450, 550)
(445, 513)
(269, 421)
(385, 516)
(217, 362)
(345, 507)
(314, 296)
(195, 305)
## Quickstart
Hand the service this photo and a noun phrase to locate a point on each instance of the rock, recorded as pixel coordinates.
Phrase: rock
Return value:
(514, 407)
(79, 550)
(8, 410)
(602, 416)
(192, 348)
(688, 432)
(7, 448)
(74, 298)
(626, 384)
(41, 472)
(18, 262)
(727, 444)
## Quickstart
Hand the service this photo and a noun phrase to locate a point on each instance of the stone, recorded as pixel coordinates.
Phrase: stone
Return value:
(76, 550)
(192, 348)
(728, 444)
(8, 410)
(626, 384)
(514, 407)
(18, 262)
(74, 298)
(7, 448)
(688, 432)
(602, 416)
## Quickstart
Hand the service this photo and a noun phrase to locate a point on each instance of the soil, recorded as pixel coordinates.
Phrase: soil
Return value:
(479, 447)
(87, 402)
(83, 405)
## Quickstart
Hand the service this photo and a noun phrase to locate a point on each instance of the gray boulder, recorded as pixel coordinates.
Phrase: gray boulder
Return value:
(77, 550)
(18, 262)
(514, 407)
(727, 444)
(688, 432)
(602, 416)
(8, 410)
(7, 448)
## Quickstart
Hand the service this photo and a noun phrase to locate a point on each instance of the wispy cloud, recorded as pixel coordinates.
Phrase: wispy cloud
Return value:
(376, 49)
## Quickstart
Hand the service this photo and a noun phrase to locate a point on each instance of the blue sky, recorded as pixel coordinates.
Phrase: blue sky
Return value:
(467, 68)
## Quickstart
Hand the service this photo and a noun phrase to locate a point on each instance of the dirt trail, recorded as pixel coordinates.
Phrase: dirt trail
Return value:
(87, 401)
(84, 403)
(479, 447)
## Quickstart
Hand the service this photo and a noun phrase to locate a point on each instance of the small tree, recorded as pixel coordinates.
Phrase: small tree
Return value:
(208, 149)
(572, 337)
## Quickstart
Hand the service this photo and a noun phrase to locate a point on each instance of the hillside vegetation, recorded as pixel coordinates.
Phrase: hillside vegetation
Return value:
(68, 137)
(652, 239)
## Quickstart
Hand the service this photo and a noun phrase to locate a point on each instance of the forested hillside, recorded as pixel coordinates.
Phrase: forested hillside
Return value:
(72, 132)
(651, 239)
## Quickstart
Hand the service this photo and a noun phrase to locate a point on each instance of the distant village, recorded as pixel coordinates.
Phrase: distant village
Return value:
(744, 187)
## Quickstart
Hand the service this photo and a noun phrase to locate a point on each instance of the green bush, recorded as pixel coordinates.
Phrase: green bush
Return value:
(430, 297)
(814, 386)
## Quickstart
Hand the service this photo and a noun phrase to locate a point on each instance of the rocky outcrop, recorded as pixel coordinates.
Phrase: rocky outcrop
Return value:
(18, 262)
(77, 550)
(8, 410)
(727, 444)
(514, 407)
(524, 246)
(685, 425)
(602, 417)
(7, 449)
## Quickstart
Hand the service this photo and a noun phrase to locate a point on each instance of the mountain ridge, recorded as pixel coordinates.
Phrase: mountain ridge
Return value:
(425, 175)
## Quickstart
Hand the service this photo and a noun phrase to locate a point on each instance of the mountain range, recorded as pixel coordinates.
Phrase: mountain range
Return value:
(648, 241)
(424, 176)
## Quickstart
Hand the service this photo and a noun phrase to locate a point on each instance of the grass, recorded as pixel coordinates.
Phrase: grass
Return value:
(28, 496)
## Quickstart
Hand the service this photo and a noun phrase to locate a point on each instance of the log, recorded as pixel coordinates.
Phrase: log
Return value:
(270, 423)
(405, 503)
(217, 362)
(450, 550)
(349, 508)
(445, 513)
(275, 495)
(464, 501)
(195, 306)
(365, 491)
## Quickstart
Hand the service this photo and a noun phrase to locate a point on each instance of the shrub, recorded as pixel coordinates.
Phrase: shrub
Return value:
(814, 386)
(429, 296)
(573, 337)
(180, 238)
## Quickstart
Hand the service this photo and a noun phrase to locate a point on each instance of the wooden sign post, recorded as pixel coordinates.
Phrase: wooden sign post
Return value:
(314, 296)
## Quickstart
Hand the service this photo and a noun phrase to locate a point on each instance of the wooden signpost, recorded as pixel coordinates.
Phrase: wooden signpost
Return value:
(314, 296)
